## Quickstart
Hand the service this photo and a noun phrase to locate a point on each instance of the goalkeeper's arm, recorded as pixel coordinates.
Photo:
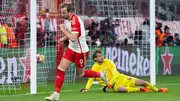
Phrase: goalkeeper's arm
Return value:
(115, 74)
(88, 85)
(113, 79)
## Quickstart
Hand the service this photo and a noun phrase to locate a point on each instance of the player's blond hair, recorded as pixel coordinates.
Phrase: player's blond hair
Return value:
(95, 53)
(68, 5)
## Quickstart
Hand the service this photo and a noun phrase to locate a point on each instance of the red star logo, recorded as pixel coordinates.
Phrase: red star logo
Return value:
(25, 61)
(167, 58)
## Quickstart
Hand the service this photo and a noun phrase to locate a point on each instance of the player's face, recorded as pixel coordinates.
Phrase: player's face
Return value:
(99, 58)
(65, 13)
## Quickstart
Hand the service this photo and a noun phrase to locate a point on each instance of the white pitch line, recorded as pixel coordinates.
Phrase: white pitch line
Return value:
(27, 94)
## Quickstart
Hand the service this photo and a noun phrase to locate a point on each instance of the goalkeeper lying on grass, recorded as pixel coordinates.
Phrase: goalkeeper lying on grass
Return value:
(117, 81)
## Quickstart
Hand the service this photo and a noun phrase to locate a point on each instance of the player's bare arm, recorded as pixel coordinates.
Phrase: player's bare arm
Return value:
(62, 39)
(71, 36)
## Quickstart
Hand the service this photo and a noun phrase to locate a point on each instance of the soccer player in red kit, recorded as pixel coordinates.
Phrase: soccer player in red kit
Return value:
(77, 50)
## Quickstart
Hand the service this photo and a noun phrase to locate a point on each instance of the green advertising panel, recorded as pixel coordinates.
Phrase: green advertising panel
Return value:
(15, 63)
(168, 60)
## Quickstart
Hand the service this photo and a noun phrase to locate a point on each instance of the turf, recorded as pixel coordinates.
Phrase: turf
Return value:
(71, 93)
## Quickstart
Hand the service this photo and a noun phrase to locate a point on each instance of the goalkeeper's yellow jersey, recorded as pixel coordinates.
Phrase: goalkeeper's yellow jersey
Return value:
(110, 70)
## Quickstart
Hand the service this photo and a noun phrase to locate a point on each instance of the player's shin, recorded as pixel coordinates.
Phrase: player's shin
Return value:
(59, 80)
(132, 89)
(151, 87)
(58, 84)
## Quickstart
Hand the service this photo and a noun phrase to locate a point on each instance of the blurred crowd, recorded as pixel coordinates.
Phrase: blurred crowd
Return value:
(165, 38)
(7, 36)
(108, 31)
(14, 34)
(15, 26)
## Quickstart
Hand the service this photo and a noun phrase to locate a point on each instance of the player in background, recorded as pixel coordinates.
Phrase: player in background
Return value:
(117, 81)
(77, 50)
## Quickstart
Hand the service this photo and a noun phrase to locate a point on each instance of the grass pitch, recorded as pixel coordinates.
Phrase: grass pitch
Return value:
(71, 93)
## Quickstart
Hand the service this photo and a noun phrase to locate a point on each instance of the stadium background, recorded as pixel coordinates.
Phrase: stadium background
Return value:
(127, 38)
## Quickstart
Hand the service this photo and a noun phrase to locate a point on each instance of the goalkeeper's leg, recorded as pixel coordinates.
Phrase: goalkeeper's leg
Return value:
(126, 86)
(148, 85)
(123, 89)
(139, 82)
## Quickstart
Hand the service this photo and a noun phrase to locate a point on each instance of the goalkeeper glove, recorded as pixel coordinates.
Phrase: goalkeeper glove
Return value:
(83, 90)
(105, 88)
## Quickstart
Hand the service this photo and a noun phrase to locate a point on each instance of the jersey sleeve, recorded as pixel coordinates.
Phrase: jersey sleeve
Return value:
(75, 25)
(89, 83)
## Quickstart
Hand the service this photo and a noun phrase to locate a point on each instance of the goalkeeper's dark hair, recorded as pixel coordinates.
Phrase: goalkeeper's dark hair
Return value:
(95, 53)
(68, 5)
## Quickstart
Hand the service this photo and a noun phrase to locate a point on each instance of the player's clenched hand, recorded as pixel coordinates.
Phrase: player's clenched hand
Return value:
(60, 40)
(83, 90)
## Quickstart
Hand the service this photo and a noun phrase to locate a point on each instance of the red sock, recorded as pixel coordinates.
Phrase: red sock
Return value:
(59, 80)
(90, 73)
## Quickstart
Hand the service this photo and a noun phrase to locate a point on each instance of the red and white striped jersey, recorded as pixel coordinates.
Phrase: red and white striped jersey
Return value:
(75, 25)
